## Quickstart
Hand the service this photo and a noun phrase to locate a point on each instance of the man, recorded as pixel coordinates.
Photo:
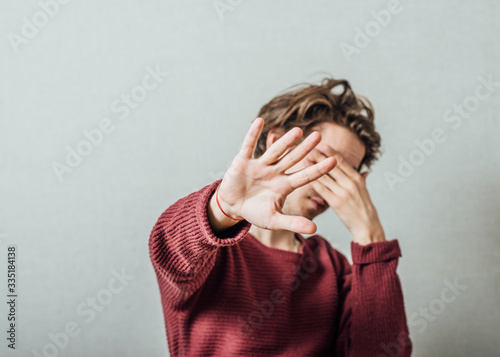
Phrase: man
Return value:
(236, 276)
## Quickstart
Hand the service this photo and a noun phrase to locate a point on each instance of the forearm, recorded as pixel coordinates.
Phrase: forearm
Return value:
(182, 244)
(379, 299)
(374, 315)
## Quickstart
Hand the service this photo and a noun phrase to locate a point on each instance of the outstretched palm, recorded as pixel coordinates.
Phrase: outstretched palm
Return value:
(256, 189)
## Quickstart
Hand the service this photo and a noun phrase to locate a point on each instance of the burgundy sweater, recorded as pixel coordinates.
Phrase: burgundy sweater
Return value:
(230, 295)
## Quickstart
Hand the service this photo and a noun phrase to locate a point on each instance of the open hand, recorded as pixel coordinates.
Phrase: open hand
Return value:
(344, 189)
(255, 189)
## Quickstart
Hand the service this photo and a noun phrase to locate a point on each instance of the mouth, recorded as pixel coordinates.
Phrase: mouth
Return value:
(319, 203)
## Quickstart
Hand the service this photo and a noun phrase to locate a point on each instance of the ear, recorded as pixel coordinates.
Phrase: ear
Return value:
(273, 135)
(364, 174)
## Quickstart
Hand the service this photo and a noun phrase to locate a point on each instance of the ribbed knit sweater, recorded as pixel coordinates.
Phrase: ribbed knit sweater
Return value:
(230, 295)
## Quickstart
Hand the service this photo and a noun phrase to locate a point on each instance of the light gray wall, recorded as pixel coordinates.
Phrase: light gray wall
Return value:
(72, 234)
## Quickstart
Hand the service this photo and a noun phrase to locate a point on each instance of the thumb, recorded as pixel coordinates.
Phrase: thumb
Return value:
(296, 224)
(364, 174)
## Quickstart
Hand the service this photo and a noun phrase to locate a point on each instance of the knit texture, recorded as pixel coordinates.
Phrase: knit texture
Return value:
(230, 295)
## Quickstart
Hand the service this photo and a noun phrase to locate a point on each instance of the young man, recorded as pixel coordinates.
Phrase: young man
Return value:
(236, 276)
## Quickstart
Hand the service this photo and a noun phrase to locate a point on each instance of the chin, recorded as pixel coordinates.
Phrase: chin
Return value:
(311, 214)
(311, 210)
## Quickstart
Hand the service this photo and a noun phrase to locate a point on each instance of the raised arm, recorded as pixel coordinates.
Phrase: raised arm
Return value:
(184, 240)
(182, 245)
(372, 319)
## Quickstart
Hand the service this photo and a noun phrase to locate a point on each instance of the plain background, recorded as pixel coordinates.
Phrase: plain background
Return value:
(71, 235)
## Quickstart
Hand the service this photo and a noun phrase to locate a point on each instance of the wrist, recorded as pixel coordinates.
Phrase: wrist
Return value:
(368, 236)
(225, 208)
(218, 221)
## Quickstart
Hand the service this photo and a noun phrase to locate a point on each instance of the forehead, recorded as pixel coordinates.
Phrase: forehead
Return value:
(342, 140)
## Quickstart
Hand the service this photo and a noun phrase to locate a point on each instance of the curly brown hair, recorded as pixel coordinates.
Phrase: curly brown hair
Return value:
(333, 100)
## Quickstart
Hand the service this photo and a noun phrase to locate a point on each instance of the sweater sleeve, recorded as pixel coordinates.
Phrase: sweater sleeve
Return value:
(182, 245)
(372, 320)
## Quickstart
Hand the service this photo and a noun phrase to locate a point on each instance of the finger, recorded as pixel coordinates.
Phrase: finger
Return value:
(327, 183)
(348, 170)
(311, 173)
(338, 174)
(326, 186)
(327, 151)
(323, 191)
(299, 152)
(281, 145)
(251, 138)
(297, 224)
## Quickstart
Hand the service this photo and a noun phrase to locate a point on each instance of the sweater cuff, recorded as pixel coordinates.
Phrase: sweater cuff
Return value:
(231, 236)
(375, 252)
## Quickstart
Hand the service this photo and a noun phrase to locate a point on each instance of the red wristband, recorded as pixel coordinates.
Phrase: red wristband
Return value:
(218, 204)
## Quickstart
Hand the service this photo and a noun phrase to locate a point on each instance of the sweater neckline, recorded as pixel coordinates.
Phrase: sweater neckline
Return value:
(276, 251)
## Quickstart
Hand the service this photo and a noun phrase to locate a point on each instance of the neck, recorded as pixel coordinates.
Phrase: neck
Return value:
(282, 239)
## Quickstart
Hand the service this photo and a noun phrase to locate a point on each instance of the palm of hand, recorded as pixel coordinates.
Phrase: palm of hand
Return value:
(256, 189)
